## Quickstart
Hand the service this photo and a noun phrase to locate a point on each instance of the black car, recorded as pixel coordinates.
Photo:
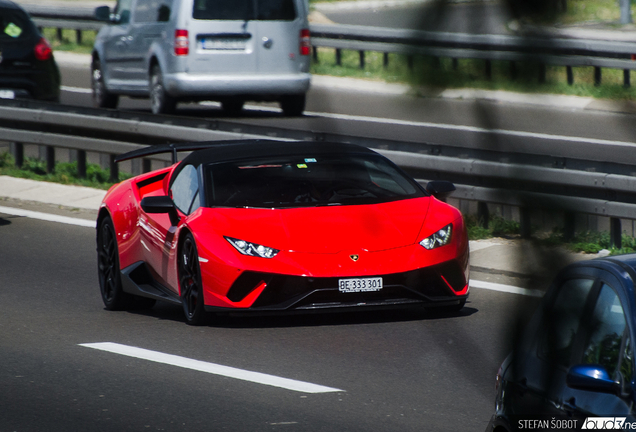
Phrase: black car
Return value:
(27, 66)
(574, 364)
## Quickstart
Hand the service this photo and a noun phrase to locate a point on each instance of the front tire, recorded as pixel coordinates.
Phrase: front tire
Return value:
(102, 98)
(113, 295)
(232, 107)
(190, 283)
(160, 101)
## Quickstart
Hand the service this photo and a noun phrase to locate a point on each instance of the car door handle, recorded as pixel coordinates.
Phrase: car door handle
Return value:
(569, 405)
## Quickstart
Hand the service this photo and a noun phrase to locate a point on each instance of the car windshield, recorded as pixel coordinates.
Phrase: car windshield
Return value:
(306, 181)
(14, 25)
(244, 10)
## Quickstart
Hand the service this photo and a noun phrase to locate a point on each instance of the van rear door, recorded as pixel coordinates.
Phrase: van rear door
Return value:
(222, 39)
(279, 26)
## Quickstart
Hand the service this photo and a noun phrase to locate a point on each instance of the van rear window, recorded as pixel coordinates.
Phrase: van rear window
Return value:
(244, 10)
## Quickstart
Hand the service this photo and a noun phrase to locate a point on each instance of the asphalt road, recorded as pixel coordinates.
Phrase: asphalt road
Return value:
(397, 371)
(541, 128)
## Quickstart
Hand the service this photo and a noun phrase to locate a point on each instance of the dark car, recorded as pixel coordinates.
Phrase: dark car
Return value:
(27, 66)
(574, 364)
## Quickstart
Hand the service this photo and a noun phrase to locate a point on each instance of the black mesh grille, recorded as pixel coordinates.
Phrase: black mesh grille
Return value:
(284, 292)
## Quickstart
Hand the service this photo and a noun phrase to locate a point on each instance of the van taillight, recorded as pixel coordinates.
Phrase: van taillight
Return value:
(181, 42)
(43, 50)
(305, 42)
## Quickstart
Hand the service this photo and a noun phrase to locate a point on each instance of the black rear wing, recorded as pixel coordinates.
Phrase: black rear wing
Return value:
(175, 148)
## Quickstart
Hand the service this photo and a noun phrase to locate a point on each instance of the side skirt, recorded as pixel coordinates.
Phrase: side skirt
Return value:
(137, 280)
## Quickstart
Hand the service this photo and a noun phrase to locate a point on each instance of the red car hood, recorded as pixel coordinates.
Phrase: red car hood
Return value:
(330, 229)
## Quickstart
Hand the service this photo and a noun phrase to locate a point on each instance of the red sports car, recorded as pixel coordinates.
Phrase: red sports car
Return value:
(271, 226)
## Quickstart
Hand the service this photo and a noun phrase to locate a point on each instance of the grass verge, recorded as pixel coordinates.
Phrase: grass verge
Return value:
(64, 173)
(437, 74)
(588, 242)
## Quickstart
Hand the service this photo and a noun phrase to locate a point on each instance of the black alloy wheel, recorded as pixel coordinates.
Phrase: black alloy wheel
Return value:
(190, 283)
(108, 268)
(102, 98)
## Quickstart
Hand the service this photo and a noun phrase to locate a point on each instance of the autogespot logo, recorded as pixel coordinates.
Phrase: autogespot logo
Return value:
(606, 423)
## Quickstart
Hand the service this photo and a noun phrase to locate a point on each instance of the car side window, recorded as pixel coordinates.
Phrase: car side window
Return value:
(152, 11)
(122, 11)
(185, 190)
(563, 321)
(608, 335)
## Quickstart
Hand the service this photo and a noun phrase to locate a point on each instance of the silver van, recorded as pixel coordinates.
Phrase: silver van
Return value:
(194, 50)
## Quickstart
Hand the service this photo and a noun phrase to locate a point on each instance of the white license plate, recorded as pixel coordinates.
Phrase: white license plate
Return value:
(223, 44)
(360, 285)
(7, 94)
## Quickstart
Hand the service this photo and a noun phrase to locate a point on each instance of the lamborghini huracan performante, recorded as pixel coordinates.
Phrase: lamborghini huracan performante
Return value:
(264, 226)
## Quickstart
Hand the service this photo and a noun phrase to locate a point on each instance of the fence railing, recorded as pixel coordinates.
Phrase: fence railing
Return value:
(541, 50)
(522, 185)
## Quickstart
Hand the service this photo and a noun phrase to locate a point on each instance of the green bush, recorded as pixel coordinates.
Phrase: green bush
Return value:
(64, 172)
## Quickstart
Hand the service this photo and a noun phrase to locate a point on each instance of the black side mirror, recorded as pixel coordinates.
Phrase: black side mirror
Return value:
(592, 377)
(102, 13)
(440, 189)
(161, 204)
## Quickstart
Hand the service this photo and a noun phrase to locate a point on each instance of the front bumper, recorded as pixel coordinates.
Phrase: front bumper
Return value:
(442, 285)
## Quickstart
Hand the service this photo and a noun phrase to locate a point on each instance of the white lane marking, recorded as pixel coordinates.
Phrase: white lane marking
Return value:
(462, 128)
(216, 369)
(47, 217)
(472, 129)
(505, 288)
(76, 90)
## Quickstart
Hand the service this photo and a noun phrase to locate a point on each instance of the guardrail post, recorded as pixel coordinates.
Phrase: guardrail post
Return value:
(513, 70)
(59, 34)
(81, 163)
(569, 220)
(78, 36)
(597, 76)
(50, 159)
(568, 71)
(524, 222)
(626, 78)
(361, 59)
(338, 57)
(615, 233)
(135, 167)
(385, 60)
(483, 214)
(314, 53)
(114, 169)
(17, 149)
(488, 70)
(146, 165)
(455, 63)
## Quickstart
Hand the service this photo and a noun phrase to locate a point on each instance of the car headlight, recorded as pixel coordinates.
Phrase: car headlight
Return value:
(252, 249)
(440, 238)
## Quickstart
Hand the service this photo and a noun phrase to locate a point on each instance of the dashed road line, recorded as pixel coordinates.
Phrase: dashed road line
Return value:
(47, 217)
(212, 368)
(505, 288)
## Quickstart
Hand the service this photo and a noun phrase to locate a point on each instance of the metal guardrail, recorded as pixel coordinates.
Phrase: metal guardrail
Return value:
(541, 50)
(482, 179)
